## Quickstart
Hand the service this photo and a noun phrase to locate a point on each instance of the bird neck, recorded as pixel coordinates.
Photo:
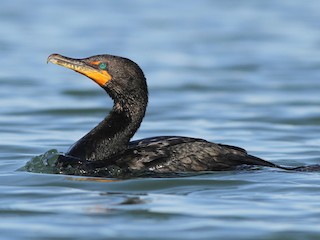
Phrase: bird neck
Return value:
(112, 135)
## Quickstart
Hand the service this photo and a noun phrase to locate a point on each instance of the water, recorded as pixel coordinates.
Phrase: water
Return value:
(238, 72)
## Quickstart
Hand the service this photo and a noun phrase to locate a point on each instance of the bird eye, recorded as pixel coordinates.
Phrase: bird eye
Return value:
(102, 66)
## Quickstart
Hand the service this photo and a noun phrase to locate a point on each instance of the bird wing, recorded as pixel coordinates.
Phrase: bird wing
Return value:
(173, 154)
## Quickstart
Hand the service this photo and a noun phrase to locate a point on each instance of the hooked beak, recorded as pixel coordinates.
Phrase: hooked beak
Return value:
(101, 77)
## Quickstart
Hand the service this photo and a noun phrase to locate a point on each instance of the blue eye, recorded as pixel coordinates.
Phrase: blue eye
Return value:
(103, 66)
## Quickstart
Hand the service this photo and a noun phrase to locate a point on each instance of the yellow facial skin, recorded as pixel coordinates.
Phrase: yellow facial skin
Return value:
(101, 77)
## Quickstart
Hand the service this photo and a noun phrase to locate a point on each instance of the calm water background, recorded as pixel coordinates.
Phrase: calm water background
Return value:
(239, 72)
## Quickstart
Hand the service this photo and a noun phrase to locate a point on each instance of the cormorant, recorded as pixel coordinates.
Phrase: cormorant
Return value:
(107, 149)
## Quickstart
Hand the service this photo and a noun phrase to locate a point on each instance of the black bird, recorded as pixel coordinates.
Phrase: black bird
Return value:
(106, 150)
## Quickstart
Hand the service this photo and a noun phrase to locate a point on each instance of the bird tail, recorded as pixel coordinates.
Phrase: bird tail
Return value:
(252, 160)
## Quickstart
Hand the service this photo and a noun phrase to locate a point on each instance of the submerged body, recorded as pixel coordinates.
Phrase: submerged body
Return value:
(165, 155)
(107, 147)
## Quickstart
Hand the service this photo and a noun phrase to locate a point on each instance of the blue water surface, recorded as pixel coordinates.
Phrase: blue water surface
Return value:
(243, 73)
